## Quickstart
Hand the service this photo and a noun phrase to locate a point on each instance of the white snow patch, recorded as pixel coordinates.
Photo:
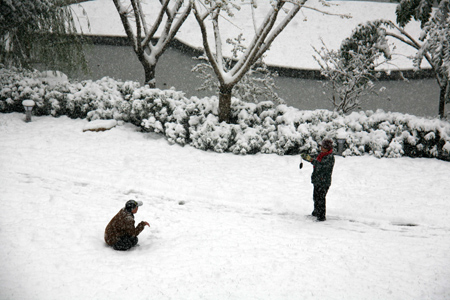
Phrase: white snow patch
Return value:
(100, 125)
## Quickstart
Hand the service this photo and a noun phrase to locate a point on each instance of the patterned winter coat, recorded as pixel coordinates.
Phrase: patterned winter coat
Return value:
(122, 224)
(323, 169)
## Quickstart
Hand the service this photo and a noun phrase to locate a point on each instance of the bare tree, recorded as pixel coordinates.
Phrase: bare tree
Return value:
(264, 36)
(149, 41)
(255, 86)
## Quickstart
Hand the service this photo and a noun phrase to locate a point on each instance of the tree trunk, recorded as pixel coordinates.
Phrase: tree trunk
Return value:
(442, 101)
(225, 103)
(149, 68)
(149, 71)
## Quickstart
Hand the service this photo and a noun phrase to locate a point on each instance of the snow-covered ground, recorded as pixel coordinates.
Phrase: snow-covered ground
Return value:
(223, 226)
(292, 48)
(242, 232)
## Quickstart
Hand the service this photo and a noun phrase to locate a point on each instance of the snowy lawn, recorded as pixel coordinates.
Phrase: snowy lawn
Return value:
(242, 232)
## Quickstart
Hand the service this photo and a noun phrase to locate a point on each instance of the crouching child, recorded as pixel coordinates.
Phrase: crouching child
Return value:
(120, 233)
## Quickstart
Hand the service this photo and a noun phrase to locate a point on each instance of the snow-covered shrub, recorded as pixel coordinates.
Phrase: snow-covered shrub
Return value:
(247, 141)
(395, 149)
(99, 99)
(210, 135)
(76, 100)
(127, 88)
(263, 127)
(176, 133)
(18, 85)
(162, 112)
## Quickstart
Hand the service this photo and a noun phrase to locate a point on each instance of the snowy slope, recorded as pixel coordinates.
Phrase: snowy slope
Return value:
(242, 232)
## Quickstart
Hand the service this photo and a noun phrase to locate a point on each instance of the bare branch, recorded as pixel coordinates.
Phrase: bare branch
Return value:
(174, 28)
(259, 37)
(212, 59)
(280, 28)
(138, 24)
(142, 17)
(344, 16)
(157, 22)
(218, 40)
(126, 23)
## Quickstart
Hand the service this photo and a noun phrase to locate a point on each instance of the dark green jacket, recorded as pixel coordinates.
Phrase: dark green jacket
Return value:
(321, 175)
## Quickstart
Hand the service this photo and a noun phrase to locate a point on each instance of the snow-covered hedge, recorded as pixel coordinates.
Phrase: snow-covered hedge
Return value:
(60, 97)
(255, 128)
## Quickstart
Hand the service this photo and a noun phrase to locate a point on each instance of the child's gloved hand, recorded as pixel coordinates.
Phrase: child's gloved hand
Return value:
(306, 157)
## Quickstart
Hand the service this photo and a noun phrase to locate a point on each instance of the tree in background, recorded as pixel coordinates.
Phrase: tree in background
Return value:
(147, 41)
(256, 85)
(348, 80)
(39, 31)
(264, 36)
(433, 44)
(352, 70)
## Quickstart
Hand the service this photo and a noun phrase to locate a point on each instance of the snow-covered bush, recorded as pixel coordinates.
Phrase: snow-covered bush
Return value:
(18, 85)
(92, 99)
(210, 135)
(162, 112)
(263, 127)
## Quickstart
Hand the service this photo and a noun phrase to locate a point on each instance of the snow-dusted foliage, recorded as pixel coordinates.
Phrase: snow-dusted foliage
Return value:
(265, 34)
(254, 128)
(40, 31)
(256, 85)
(350, 75)
(432, 44)
(436, 36)
(101, 99)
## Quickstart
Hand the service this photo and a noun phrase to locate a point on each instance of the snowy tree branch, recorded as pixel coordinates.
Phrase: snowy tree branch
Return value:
(138, 24)
(258, 39)
(281, 27)
(171, 18)
(123, 14)
(218, 40)
(212, 60)
(157, 22)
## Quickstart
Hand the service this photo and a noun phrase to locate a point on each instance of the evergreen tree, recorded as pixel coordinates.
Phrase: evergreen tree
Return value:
(433, 44)
(39, 31)
(350, 73)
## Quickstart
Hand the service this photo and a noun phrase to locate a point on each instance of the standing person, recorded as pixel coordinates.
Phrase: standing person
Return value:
(120, 232)
(321, 177)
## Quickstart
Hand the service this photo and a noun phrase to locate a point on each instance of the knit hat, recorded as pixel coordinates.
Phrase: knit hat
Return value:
(327, 144)
(132, 204)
